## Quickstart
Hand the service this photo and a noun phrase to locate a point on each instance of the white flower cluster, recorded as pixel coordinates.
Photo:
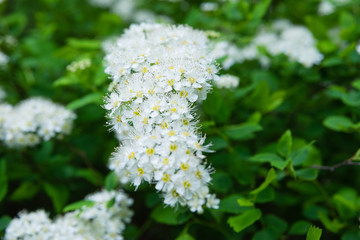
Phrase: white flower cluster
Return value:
(159, 72)
(100, 220)
(123, 8)
(33, 120)
(296, 42)
(4, 59)
(227, 81)
(327, 7)
(129, 10)
(79, 65)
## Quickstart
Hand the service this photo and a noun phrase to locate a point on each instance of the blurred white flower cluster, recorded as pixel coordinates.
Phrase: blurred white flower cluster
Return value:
(227, 81)
(79, 65)
(4, 59)
(327, 7)
(296, 42)
(104, 218)
(33, 120)
(158, 73)
(129, 10)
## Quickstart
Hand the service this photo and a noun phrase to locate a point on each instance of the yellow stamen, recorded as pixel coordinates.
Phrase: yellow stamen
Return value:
(186, 184)
(173, 147)
(166, 177)
(140, 171)
(150, 151)
(184, 166)
(131, 155)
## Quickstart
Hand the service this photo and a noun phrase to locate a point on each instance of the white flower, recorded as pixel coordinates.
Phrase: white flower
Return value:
(160, 72)
(282, 37)
(33, 120)
(227, 81)
(98, 221)
(4, 59)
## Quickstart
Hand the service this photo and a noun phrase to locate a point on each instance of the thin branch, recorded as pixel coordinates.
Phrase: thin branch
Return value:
(347, 162)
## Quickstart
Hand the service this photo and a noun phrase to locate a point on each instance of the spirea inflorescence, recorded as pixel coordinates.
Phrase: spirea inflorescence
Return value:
(99, 220)
(158, 73)
(282, 37)
(33, 120)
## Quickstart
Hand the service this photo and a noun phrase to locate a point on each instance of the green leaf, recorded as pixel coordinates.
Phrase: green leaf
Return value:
(307, 174)
(275, 223)
(352, 99)
(230, 204)
(299, 228)
(59, 195)
(185, 236)
(66, 81)
(78, 205)
(222, 183)
(332, 225)
(271, 158)
(111, 181)
(4, 222)
(243, 131)
(25, 191)
(89, 44)
(299, 156)
(85, 100)
(244, 202)
(244, 220)
(271, 175)
(339, 123)
(284, 144)
(356, 84)
(213, 103)
(217, 143)
(260, 9)
(314, 233)
(110, 203)
(169, 216)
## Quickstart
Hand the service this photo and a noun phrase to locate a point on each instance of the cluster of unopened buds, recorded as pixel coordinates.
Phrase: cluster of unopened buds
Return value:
(159, 72)
(103, 217)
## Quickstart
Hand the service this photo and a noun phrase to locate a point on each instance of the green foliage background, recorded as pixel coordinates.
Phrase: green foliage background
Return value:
(268, 133)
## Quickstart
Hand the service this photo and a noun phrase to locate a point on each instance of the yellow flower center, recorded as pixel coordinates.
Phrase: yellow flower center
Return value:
(166, 161)
(151, 91)
(174, 193)
(192, 80)
(173, 147)
(186, 184)
(157, 107)
(131, 155)
(144, 70)
(140, 171)
(137, 112)
(171, 133)
(184, 166)
(164, 125)
(150, 151)
(184, 93)
(139, 94)
(171, 82)
(166, 177)
(118, 118)
(198, 175)
(185, 122)
(173, 110)
(145, 121)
